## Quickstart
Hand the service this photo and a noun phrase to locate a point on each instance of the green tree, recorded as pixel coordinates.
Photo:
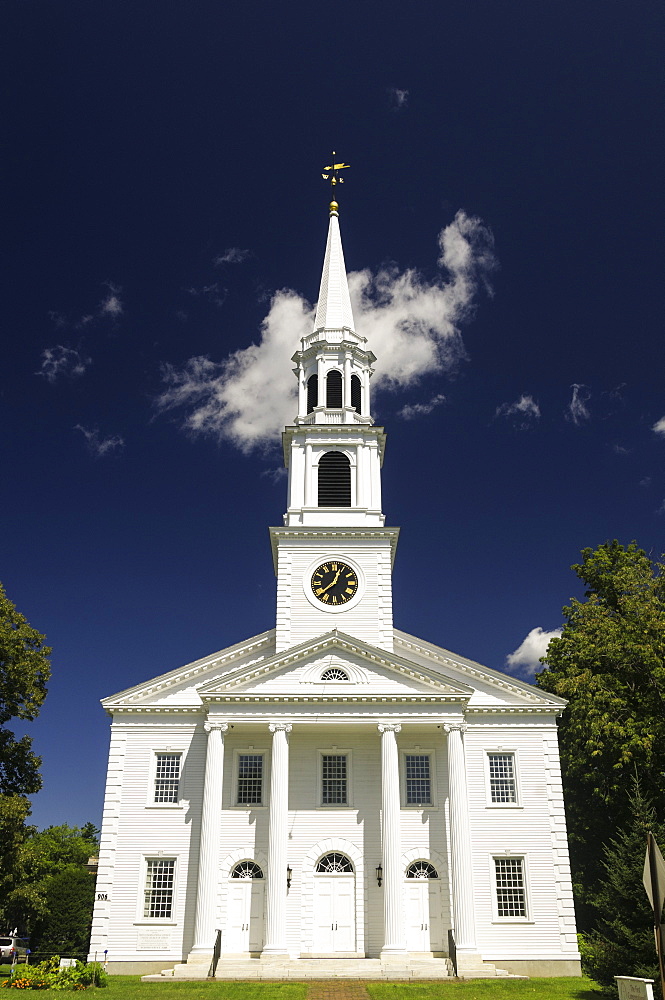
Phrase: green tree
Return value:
(24, 672)
(622, 940)
(610, 665)
(65, 927)
(42, 857)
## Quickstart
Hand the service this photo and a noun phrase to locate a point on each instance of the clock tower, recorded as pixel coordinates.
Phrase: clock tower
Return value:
(333, 556)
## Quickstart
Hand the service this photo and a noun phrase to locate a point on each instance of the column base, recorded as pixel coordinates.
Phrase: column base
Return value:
(391, 953)
(273, 952)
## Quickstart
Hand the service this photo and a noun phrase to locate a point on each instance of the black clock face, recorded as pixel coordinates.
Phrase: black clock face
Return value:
(334, 583)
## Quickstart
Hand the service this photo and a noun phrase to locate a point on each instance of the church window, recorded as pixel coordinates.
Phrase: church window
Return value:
(334, 390)
(356, 393)
(312, 392)
(418, 780)
(167, 778)
(510, 887)
(334, 480)
(334, 864)
(421, 869)
(502, 783)
(334, 674)
(247, 869)
(250, 779)
(159, 884)
(334, 780)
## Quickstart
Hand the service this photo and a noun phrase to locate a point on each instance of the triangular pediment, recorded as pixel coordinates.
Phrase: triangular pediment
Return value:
(361, 669)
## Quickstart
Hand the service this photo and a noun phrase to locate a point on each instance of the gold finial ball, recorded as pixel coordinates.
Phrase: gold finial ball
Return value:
(334, 207)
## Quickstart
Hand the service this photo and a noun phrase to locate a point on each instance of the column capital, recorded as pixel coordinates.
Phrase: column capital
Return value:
(455, 727)
(276, 727)
(222, 727)
(389, 727)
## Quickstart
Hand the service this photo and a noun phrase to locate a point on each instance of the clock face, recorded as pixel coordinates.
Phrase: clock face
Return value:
(334, 583)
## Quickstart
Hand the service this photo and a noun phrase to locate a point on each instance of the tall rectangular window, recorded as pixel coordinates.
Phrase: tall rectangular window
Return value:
(503, 787)
(418, 780)
(334, 779)
(167, 777)
(159, 883)
(250, 779)
(510, 890)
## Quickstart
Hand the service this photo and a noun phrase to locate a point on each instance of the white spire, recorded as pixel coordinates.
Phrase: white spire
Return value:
(333, 311)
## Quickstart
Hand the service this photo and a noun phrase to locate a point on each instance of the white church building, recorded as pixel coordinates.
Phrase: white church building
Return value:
(334, 793)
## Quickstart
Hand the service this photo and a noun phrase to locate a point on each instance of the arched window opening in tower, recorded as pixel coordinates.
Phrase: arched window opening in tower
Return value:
(356, 393)
(334, 480)
(312, 392)
(334, 390)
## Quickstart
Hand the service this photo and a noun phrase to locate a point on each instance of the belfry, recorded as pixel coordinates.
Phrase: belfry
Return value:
(334, 797)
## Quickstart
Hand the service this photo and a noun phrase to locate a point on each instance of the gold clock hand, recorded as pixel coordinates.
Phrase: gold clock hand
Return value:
(332, 582)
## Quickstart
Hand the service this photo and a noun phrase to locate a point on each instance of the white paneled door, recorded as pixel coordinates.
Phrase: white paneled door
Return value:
(245, 916)
(334, 914)
(423, 915)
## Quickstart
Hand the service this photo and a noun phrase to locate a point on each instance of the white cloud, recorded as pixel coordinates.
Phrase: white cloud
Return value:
(412, 325)
(234, 255)
(659, 426)
(98, 445)
(65, 361)
(525, 659)
(399, 99)
(525, 410)
(410, 411)
(577, 410)
(111, 304)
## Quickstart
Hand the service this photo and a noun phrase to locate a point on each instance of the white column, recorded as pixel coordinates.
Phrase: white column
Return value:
(365, 394)
(361, 477)
(302, 392)
(321, 371)
(309, 475)
(460, 841)
(277, 841)
(347, 381)
(211, 819)
(394, 942)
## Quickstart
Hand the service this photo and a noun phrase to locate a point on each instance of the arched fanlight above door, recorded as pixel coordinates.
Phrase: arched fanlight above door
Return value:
(247, 869)
(421, 869)
(334, 863)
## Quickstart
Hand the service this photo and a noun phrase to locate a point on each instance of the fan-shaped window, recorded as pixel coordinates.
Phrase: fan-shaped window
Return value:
(312, 392)
(334, 674)
(334, 390)
(421, 869)
(247, 869)
(335, 864)
(334, 480)
(356, 393)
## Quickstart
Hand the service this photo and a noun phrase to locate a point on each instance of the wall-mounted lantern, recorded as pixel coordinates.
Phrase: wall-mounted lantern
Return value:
(379, 874)
(289, 876)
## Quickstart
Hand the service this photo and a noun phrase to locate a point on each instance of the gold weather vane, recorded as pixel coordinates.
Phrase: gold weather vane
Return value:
(332, 174)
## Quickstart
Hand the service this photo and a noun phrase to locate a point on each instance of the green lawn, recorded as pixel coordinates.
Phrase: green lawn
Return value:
(131, 987)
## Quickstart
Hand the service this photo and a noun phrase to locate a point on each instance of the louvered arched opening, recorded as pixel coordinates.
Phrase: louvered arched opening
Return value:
(356, 393)
(312, 392)
(334, 390)
(334, 480)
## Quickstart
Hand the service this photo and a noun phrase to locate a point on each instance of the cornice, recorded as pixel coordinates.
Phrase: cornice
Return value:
(194, 713)
(343, 431)
(332, 533)
(483, 673)
(184, 673)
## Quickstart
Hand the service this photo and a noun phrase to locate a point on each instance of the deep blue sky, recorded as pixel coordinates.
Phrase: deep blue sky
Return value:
(143, 140)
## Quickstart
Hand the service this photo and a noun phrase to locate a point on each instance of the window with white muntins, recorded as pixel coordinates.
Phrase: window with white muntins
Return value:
(510, 888)
(418, 779)
(502, 778)
(159, 888)
(167, 778)
(250, 779)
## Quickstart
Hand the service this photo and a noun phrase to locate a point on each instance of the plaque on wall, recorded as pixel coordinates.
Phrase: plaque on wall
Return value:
(154, 939)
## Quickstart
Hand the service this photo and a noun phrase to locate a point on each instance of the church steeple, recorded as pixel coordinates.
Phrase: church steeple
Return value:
(333, 311)
(334, 523)
(334, 365)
